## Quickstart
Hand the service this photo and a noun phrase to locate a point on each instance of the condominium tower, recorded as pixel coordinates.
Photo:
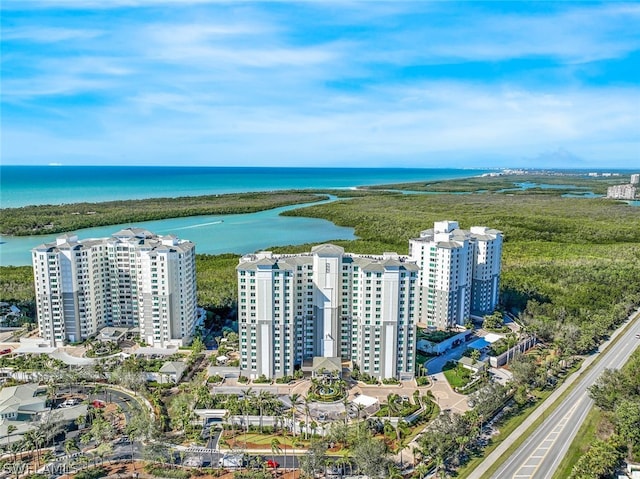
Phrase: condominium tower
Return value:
(132, 279)
(326, 303)
(362, 308)
(459, 273)
(622, 192)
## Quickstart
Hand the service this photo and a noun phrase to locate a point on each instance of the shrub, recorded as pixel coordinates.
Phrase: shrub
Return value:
(163, 471)
(262, 379)
(93, 473)
(284, 380)
(423, 381)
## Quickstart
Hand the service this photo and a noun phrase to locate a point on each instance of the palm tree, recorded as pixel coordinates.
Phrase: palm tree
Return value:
(275, 447)
(360, 409)
(104, 449)
(17, 468)
(262, 399)
(36, 438)
(307, 412)
(47, 457)
(295, 443)
(345, 403)
(17, 447)
(71, 446)
(342, 462)
(10, 430)
(85, 438)
(393, 401)
(80, 421)
(393, 472)
(246, 403)
(294, 398)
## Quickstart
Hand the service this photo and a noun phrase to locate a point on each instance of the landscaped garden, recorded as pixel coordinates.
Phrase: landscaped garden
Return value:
(436, 336)
(327, 390)
(457, 375)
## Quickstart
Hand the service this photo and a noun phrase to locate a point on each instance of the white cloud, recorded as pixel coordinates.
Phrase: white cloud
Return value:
(470, 122)
(48, 34)
(250, 83)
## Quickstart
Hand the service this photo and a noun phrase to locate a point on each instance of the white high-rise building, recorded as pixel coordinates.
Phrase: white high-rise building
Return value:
(622, 192)
(459, 273)
(362, 308)
(133, 279)
(326, 303)
(635, 179)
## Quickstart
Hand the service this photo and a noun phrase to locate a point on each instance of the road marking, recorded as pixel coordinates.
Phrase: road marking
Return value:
(531, 464)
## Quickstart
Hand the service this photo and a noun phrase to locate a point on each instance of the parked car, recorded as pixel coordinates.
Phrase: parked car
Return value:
(70, 402)
(232, 461)
(273, 464)
(97, 403)
(5, 351)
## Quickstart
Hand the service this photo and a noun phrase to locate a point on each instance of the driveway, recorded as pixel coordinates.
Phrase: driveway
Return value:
(447, 398)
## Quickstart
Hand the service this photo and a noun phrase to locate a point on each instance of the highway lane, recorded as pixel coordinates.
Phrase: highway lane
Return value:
(539, 455)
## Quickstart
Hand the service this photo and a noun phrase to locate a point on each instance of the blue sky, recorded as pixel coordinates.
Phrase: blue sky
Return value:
(407, 84)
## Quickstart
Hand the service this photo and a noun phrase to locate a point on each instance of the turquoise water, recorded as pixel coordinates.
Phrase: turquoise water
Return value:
(239, 234)
(37, 185)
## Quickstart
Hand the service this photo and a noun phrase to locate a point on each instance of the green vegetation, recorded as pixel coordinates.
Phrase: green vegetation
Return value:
(166, 471)
(47, 219)
(457, 375)
(571, 267)
(436, 336)
(566, 259)
(16, 284)
(93, 473)
(612, 429)
(496, 183)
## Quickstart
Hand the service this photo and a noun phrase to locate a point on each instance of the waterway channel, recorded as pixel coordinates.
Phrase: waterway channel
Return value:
(215, 234)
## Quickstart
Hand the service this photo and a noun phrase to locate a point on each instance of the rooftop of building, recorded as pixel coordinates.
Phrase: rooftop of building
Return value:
(21, 398)
(454, 237)
(373, 263)
(173, 367)
(137, 237)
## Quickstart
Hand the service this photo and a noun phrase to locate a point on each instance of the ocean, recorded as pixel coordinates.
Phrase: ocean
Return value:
(38, 185)
(240, 234)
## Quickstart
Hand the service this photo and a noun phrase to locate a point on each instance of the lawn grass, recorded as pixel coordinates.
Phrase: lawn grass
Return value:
(265, 440)
(457, 375)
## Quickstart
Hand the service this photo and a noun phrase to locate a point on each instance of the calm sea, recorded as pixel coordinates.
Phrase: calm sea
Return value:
(37, 185)
(239, 234)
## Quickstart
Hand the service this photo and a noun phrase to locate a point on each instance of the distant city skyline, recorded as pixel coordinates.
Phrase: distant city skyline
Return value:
(353, 84)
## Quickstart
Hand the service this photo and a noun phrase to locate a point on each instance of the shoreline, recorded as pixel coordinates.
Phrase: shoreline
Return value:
(25, 185)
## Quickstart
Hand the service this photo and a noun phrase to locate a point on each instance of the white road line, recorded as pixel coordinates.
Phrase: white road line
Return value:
(537, 455)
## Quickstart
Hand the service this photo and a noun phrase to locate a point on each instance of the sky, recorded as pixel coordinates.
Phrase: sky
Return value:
(331, 83)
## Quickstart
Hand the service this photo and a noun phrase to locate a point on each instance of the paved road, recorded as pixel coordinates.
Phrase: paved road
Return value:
(539, 456)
